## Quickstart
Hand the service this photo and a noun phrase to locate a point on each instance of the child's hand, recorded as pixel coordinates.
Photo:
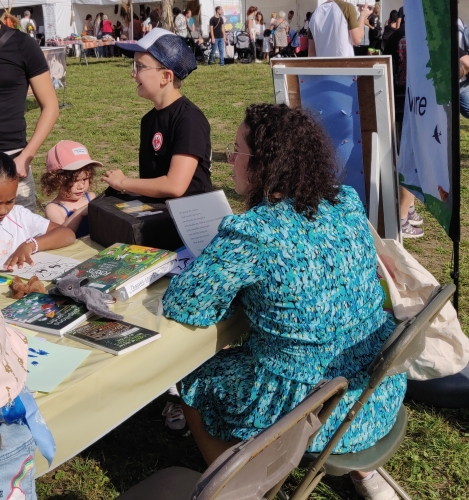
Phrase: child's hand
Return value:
(114, 178)
(21, 255)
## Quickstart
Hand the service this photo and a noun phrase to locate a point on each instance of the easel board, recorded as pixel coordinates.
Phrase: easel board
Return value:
(374, 87)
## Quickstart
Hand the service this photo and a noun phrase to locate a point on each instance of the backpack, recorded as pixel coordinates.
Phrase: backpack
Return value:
(464, 30)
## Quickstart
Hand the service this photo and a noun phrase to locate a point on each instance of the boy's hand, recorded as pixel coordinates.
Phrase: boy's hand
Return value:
(114, 178)
(21, 255)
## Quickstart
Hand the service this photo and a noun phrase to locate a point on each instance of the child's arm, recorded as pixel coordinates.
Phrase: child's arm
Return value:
(55, 213)
(56, 237)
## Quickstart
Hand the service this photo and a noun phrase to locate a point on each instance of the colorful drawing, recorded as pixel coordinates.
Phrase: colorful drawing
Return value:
(57, 66)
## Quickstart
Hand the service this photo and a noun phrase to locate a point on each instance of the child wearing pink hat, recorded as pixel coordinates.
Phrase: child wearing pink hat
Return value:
(70, 171)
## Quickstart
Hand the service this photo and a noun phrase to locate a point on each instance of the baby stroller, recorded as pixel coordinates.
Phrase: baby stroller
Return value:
(229, 47)
(243, 48)
(202, 51)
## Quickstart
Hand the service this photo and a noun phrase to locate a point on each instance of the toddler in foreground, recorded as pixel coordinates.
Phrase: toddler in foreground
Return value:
(23, 233)
(70, 170)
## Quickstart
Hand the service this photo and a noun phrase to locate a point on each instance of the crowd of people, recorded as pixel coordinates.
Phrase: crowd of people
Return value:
(302, 245)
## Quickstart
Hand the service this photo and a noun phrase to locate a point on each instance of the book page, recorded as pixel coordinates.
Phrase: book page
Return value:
(197, 218)
(45, 266)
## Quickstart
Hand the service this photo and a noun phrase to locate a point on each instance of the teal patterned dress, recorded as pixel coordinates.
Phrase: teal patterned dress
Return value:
(314, 303)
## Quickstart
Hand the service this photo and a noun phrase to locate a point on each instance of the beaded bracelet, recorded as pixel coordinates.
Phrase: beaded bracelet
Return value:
(33, 240)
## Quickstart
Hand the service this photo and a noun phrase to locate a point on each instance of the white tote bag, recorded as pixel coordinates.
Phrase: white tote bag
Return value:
(410, 286)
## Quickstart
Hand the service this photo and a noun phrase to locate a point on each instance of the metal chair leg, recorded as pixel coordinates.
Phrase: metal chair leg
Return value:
(400, 491)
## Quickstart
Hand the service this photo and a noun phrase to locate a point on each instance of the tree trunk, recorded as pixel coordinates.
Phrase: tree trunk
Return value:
(167, 15)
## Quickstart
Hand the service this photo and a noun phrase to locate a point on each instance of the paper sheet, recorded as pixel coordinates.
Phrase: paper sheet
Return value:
(46, 266)
(197, 218)
(50, 364)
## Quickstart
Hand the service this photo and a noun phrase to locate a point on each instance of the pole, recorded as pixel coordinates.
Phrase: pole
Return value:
(131, 24)
(455, 227)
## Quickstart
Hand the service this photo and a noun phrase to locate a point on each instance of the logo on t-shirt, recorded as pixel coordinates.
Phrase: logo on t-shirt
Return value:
(157, 141)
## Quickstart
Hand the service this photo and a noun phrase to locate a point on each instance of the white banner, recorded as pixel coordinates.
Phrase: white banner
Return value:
(50, 21)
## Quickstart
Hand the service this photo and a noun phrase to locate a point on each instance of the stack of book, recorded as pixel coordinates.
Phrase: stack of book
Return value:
(123, 270)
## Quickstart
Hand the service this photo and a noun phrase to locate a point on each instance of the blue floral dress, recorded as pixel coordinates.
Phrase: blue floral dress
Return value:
(314, 303)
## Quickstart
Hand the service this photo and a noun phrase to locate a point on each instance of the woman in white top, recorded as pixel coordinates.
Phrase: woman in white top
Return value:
(180, 23)
(251, 29)
(259, 26)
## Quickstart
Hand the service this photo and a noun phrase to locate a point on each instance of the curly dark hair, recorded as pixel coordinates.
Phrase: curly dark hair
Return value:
(292, 156)
(52, 182)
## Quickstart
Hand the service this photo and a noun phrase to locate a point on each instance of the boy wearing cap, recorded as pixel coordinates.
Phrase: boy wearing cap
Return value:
(175, 149)
(70, 171)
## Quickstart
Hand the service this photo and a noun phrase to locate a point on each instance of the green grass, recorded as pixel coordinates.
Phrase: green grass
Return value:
(433, 461)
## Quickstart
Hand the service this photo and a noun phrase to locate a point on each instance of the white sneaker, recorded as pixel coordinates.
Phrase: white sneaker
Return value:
(375, 488)
(175, 421)
(258, 61)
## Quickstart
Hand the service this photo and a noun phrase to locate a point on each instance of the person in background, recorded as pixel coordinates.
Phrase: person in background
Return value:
(375, 31)
(118, 30)
(88, 27)
(22, 64)
(281, 28)
(180, 23)
(107, 30)
(189, 20)
(273, 17)
(137, 28)
(27, 24)
(306, 21)
(217, 36)
(155, 21)
(290, 16)
(266, 45)
(98, 32)
(390, 27)
(400, 18)
(251, 29)
(146, 22)
(334, 29)
(125, 29)
(259, 26)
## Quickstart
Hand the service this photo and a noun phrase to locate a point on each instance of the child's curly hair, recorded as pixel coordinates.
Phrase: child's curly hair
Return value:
(58, 180)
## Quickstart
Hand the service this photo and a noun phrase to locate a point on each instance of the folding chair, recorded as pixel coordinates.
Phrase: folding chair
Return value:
(252, 469)
(405, 344)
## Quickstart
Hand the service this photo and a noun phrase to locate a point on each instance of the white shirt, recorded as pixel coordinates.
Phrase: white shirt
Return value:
(24, 23)
(19, 225)
(330, 32)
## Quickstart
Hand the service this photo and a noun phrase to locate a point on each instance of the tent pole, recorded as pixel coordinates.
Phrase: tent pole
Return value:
(131, 24)
(455, 227)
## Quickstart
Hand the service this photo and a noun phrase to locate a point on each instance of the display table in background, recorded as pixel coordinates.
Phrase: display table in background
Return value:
(106, 390)
(81, 46)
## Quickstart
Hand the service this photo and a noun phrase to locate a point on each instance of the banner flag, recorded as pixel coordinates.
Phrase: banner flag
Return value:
(426, 157)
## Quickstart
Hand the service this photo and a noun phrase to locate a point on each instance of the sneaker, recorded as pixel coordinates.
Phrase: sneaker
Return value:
(414, 218)
(409, 231)
(175, 421)
(375, 488)
(258, 61)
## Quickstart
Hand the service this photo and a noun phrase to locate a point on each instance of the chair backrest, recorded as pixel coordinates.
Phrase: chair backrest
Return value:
(406, 342)
(250, 469)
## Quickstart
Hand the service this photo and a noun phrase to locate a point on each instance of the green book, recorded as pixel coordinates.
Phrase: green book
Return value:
(117, 264)
(115, 337)
(46, 313)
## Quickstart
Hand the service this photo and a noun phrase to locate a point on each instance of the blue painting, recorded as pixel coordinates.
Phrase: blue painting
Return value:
(333, 100)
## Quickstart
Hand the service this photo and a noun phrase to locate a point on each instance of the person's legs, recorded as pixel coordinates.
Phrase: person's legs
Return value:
(221, 50)
(26, 193)
(212, 52)
(464, 99)
(409, 218)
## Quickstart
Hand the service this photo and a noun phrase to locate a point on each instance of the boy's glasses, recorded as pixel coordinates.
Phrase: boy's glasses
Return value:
(137, 67)
(231, 151)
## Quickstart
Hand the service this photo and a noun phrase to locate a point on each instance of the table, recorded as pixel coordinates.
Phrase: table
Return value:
(84, 46)
(106, 390)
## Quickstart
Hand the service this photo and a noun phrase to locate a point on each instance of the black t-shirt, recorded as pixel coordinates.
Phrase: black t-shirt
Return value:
(217, 23)
(374, 34)
(20, 60)
(180, 128)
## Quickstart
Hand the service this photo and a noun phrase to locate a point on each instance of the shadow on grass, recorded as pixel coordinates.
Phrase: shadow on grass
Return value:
(140, 446)
(68, 496)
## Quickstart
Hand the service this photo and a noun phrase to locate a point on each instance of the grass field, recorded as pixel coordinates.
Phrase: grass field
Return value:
(105, 112)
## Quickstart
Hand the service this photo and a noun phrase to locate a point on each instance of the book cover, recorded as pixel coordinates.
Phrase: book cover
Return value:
(115, 337)
(46, 313)
(144, 279)
(184, 260)
(119, 263)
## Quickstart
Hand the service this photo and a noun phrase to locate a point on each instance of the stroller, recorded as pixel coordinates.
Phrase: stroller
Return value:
(229, 47)
(202, 51)
(243, 47)
(293, 47)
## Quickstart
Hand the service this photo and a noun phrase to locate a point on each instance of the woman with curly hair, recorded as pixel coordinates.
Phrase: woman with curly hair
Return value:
(302, 264)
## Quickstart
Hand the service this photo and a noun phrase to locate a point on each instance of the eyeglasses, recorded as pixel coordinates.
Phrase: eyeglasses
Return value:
(137, 68)
(231, 151)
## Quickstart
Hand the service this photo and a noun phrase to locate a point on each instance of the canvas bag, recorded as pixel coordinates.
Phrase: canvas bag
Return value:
(410, 285)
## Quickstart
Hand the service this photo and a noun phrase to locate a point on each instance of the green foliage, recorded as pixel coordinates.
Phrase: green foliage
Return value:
(438, 25)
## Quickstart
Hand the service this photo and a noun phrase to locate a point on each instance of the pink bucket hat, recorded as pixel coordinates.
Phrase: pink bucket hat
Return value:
(13, 362)
(69, 155)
